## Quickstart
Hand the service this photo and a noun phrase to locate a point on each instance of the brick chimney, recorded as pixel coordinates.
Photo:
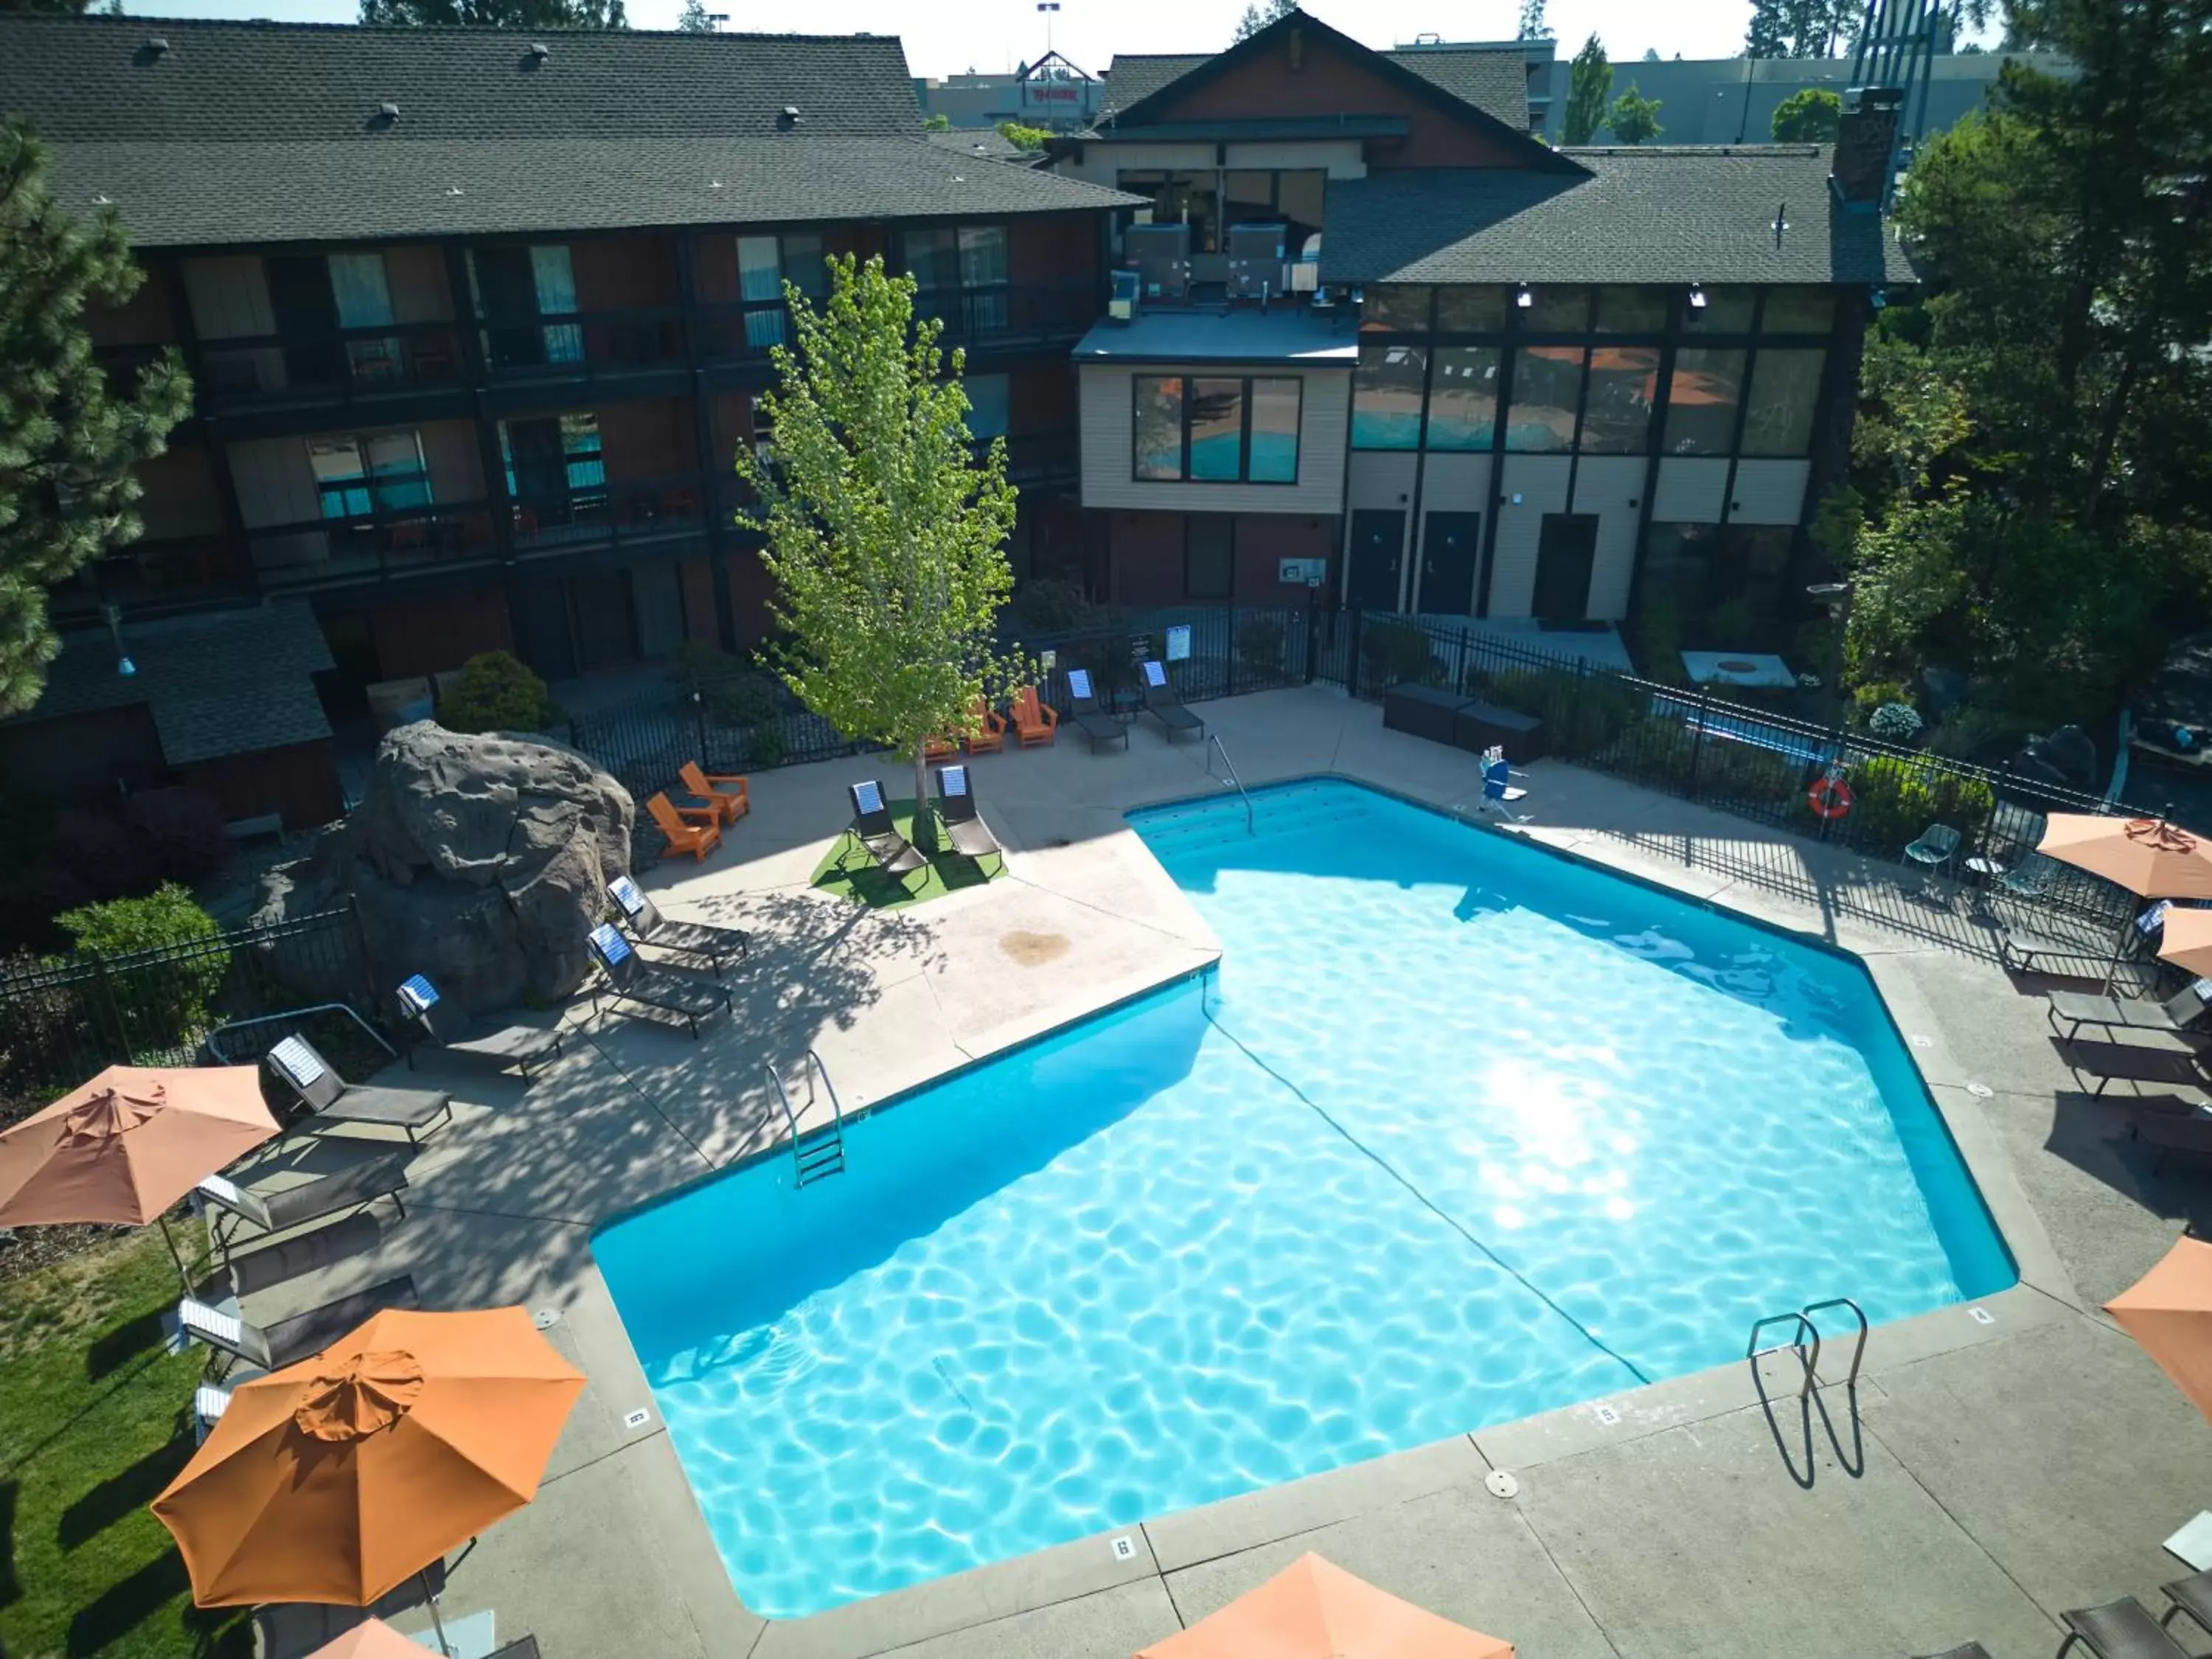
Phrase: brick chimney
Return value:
(1866, 143)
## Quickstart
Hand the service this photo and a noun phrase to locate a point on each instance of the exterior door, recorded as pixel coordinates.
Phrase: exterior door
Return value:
(606, 627)
(1378, 543)
(1451, 544)
(1564, 554)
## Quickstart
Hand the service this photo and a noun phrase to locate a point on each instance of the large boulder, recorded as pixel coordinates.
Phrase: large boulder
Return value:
(481, 861)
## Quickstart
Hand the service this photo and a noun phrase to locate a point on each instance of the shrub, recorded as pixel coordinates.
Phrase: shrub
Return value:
(1896, 722)
(181, 830)
(1865, 699)
(702, 660)
(1582, 714)
(765, 745)
(742, 700)
(1749, 774)
(1658, 631)
(1260, 646)
(1732, 625)
(1894, 799)
(1042, 608)
(162, 1004)
(1393, 652)
(496, 693)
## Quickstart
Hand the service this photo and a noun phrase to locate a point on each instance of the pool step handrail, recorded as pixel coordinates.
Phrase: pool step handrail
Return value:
(216, 1044)
(820, 1151)
(1802, 1327)
(1212, 748)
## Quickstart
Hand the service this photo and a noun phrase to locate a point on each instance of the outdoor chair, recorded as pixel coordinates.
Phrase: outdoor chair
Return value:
(625, 977)
(689, 830)
(330, 1098)
(970, 836)
(989, 735)
(2022, 948)
(2191, 1595)
(2175, 1015)
(2129, 1063)
(209, 1401)
(1035, 723)
(732, 803)
(2118, 1630)
(1934, 851)
(349, 1189)
(2171, 1128)
(1162, 703)
(895, 855)
(1964, 1650)
(455, 1033)
(292, 1338)
(1094, 722)
(944, 746)
(716, 946)
(1498, 790)
(2032, 877)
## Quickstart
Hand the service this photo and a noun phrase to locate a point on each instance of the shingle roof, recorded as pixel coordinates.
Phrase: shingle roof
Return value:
(228, 682)
(258, 132)
(987, 142)
(1492, 79)
(1641, 215)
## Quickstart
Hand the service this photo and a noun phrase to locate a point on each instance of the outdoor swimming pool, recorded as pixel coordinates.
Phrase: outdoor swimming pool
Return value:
(1460, 1132)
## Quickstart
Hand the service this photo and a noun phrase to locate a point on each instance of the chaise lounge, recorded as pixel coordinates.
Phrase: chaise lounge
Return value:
(349, 1189)
(330, 1099)
(2118, 1630)
(2129, 1063)
(626, 978)
(970, 836)
(292, 1338)
(454, 1033)
(895, 855)
(1094, 722)
(648, 925)
(1162, 703)
(2174, 1015)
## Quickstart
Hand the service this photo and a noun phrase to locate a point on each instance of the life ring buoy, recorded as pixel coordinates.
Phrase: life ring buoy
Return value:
(1830, 799)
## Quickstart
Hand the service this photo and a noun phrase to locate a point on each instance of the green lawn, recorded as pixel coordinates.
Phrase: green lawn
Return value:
(846, 869)
(95, 1420)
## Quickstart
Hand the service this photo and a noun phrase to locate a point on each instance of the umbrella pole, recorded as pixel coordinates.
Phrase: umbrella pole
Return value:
(169, 1239)
(436, 1623)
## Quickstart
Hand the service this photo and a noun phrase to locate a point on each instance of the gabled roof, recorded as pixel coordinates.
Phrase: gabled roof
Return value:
(987, 142)
(261, 132)
(1676, 216)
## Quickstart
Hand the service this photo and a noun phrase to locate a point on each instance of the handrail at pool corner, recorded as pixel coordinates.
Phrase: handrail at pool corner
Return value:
(1214, 747)
(1858, 1350)
(1752, 1352)
(835, 1126)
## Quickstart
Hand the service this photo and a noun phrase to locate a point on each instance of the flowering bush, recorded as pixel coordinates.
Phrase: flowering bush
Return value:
(1895, 720)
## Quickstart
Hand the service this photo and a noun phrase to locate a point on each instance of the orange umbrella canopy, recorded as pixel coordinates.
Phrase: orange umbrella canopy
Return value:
(2187, 941)
(372, 1638)
(2169, 1312)
(336, 1478)
(2149, 857)
(129, 1143)
(1313, 1610)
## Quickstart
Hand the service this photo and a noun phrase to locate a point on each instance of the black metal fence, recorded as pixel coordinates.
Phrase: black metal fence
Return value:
(64, 1018)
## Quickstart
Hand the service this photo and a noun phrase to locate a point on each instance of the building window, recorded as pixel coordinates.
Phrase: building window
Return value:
(1209, 555)
(1291, 200)
(986, 405)
(1786, 391)
(1557, 310)
(1180, 199)
(1386, 397)
(1159, 400)
(982, 256)
(1701, 400)
(1394, 309)
(554, 462)
(760, 285)
(965, 267)
(1216, 430)
(1715, 588)
(374, 472)
(1470, 310)
(1631, 310)
(363, 299)
(1798, 311)
(511, 287)
(1726, 310)
(1546, 385)
(1617, 409)
(1463, 398)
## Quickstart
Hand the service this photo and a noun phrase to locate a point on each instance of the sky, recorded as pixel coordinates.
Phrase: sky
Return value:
(946, 37)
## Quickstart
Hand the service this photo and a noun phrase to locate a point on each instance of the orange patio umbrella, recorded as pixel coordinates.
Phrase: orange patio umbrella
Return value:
(2187, 940)
(129, 1144)
(1313, 1610)
(372, 1638)
(2149, 857)
(337, 1479)
(2169, 1312)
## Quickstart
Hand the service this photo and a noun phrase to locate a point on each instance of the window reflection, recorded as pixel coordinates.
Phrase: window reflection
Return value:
(1217, 430)
(1785, 392)
(1386, 397)
(1395, 308)
(1617, 417)
(1463, 398)
(1701, 400)
(1274, 457)
(1546, 384)
(1159, 426)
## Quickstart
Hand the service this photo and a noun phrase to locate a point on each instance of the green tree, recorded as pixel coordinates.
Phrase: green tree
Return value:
(1634, 118)
(886, 533)
(1589, 82)
(1533, 26)
(1807, 117)
(69, 438)
(938, 123)
(497, 14)
(1259, 14)
(692, 19)
(66, 7)
(1022, 137)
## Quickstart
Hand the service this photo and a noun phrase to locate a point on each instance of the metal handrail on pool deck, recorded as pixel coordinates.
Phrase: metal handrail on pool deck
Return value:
(826, 1156)
(1214, 747)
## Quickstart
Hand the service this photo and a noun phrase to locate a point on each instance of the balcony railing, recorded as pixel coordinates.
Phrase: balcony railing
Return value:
(1001, 314)
(583, 345)
(317, 551)
(347, 366)
(1036, 457)
(615, 514)
(163, 573)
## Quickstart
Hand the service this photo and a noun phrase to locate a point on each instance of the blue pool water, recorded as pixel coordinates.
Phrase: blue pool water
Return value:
(1460, 1132)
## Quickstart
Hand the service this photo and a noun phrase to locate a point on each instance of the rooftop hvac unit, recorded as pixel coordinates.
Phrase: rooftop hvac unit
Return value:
(1160, 255)
(1121, 306)
(1256, 256)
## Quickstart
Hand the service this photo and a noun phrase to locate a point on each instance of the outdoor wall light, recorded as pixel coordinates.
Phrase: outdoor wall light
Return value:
(1523, 298)
(1697, 297)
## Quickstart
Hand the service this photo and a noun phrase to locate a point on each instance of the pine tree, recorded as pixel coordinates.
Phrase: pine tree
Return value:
(1533, 26)
(68, 438)
(1634, 118)
(692, 19)
(1258, 15)
(1589, 82)
(1769, 34)
(497, 14)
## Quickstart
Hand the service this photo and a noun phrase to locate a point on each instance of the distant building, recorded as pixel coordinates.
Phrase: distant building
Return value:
(1049, 93)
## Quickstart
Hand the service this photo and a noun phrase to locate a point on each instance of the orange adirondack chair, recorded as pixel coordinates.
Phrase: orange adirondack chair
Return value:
(689, 829)
(942, 747)
(1034, 722)
(732, 803)
(989, 737)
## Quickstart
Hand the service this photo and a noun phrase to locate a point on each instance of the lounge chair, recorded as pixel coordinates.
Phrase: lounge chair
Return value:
(209, 1401)
(1034, 722)
(691, 939)
(1094, 722)
(2191, 1595)
(292, 1338)
(2174, 1015)
(626, 978)
(895, 855)
(343, 1193)
(2118, 1630)
(2019, 949)
(732, 803)
(332, 1099)
(955, 803)
(2171, 1128)
(455, 1033)
(988, 733)
(2129, 1063)
(1164, 706)
(1934, 851)
(1964, 1650)
(690, 829)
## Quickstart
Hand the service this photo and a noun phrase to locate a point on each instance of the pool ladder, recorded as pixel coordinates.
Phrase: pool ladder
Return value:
(820, 1151)
(1212, 748)
(1803, 1325)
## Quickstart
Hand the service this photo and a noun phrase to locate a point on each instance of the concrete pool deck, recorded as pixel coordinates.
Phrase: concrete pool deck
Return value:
(1999, 1471)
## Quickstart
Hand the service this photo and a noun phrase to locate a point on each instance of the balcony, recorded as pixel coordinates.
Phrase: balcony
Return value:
(584, 345)
(1041, 458)
(346, 366)
(655, 510)
(994, 317)
(172, 572)
(371, 546)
